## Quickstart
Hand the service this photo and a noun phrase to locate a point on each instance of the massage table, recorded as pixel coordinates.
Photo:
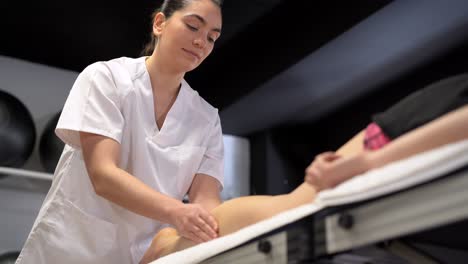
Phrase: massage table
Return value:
(421, 193)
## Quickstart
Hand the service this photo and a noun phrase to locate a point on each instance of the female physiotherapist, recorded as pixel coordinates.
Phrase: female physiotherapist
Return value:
(138, 139)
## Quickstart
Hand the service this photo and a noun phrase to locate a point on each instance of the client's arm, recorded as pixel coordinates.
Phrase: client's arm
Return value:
(353, 146)
(231, 216)
(446, 129)
(328, 170)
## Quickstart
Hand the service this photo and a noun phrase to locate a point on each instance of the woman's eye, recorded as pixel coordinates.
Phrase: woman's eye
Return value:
(212, 40)
(192, 27)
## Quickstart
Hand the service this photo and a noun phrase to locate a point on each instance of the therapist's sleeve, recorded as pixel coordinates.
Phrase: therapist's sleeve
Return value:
(92, 106)
(213, 160)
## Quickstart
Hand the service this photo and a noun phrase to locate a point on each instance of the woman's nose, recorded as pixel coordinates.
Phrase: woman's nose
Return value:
(199, 42)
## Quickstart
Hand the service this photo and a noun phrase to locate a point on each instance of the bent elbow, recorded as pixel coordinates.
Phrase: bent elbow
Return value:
(99, 181)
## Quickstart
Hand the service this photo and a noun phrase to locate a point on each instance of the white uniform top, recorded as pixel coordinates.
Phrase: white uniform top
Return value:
(115, 99)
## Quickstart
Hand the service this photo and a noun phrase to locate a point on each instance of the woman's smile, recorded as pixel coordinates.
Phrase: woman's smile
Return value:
(192, 53)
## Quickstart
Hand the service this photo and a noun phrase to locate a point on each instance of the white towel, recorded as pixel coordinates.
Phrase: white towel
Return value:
(398, 175)
(395, 176)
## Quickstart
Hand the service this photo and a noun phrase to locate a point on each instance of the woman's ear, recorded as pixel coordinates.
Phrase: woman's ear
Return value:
(158, 23)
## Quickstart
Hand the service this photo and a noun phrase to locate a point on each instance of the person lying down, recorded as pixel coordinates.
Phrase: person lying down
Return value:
(326, 171)
(232, 216)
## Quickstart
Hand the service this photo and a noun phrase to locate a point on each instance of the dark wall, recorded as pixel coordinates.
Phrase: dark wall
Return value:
(273, 43)
(295, 146)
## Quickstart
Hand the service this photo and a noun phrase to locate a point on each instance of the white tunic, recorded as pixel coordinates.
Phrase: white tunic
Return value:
(115, 99)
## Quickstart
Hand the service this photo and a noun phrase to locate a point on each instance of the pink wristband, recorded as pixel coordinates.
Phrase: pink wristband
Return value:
(374, 137)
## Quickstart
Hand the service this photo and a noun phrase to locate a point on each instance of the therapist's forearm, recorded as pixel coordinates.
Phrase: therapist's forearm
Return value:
(205, 191)
(449, 128)
(208, 204)
(118, 186)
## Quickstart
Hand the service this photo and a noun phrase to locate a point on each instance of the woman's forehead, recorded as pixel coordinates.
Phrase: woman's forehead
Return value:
(205, 9)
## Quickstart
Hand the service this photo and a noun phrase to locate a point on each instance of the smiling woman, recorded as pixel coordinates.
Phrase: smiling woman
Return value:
(192, 21)
(138, 139)
(191, 31)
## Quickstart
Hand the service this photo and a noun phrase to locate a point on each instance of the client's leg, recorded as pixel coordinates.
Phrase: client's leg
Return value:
(232, 216)
(243, 211)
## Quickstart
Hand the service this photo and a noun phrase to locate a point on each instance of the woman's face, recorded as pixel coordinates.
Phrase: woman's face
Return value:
(189, 35)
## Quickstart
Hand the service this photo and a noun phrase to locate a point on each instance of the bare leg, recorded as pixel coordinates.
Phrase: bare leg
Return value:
(243, 211)
(232, 216)
(165, 242)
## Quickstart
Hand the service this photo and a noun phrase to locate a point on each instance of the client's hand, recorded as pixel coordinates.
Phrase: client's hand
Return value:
(192, 221)
(329, 169)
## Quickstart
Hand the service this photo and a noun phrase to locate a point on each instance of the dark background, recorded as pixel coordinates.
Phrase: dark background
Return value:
(260, 37)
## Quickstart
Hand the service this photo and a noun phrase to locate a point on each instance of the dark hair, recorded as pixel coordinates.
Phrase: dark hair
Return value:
(168, 8)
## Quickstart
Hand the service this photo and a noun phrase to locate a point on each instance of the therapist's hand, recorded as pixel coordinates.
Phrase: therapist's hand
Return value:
(330, 169)
(194, 222)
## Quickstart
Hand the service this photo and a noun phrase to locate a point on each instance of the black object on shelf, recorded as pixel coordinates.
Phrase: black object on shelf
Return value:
(17, 131)
(50, 146)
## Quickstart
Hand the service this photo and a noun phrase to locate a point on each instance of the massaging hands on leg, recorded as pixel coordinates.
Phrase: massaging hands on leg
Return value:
(194, 222)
